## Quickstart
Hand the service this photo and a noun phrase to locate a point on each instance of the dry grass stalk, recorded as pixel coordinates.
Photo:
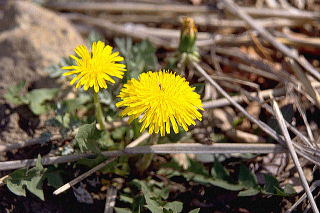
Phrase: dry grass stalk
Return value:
(232, 7)
(192, 148)
(294, 155)
(83, 176)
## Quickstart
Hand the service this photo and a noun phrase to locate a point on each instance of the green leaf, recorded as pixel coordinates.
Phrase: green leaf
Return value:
(119, 167)
(248, 192)
(271, 184)
(197, 168)
(31, 179)
(105, 140)
(35, 186)
(225, 185)
(219, 172)
(14, 96)
(87, 137)
(54, 179)
(126, 198)
(118, 133)
(94, 36)
(55, 71)
(91, 162)
(195, 210)
(175, 206)
(289, 190)
(152, 205)
(139, 57)
(122, 210)
(247, 178)
(16, 187)
(37, 98)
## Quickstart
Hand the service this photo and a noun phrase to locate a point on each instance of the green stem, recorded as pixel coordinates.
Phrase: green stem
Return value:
(99, 113)
(146, 160)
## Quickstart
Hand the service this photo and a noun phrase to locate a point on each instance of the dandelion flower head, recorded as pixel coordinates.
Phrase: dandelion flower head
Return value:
(160, 100)
(95, 68)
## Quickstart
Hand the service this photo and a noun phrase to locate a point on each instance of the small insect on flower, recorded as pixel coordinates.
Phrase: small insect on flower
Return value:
(94, 68)
(159, 100)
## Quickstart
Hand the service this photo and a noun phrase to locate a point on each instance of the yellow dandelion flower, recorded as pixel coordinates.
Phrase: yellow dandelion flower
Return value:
(94, 68)
(159, 99)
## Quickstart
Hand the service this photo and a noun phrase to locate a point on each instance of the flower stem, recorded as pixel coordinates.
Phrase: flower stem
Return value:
(99, 113)
(146, 160)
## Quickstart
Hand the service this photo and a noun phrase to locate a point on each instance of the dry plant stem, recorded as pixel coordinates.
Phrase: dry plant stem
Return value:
(294, 155)
(83, 176)
(166, 38)
(139, 140)
(264, 68)
(241, 98)
(214, 21)
(110, 199)
(111, 27)
(270, 110)
(232, 7)
(247, 68)
(261, 124)
(176, 8)
(235, 80)
(2, 179)
(312, 187)
(305, 82)
(201, 20)
(187, 148)
(302, 112)
(146, 159)
(99, 113)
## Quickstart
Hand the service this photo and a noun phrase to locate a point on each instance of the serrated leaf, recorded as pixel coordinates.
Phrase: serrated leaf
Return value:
(87, 137)
(247, 178)
(175, 206)
(32, 179)
(195, 210)
(248, 192)
(13, 94)
(37, 98)
(139, 57)
(152, 205)
(55, 71)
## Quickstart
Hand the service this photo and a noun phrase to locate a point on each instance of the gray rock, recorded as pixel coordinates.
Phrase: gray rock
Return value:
(31, 39)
